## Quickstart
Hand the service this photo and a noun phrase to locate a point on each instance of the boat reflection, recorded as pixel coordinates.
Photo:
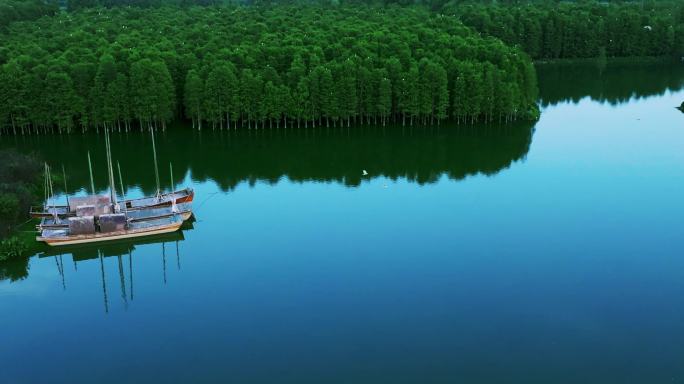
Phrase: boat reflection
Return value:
(124, 252)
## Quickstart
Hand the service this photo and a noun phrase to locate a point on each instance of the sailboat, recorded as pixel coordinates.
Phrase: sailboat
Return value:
(88, 233)
(159, 199)
(164, 199)
(105, 220)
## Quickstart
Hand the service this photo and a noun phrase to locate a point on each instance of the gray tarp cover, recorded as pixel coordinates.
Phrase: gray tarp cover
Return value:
(101, 203)
(81, 225)
(112, 222)
(85, 210)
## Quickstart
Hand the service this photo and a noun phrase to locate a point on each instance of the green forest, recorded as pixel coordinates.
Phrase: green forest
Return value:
(586, 29)
(256, 66)
(15, 10)
(125, 64)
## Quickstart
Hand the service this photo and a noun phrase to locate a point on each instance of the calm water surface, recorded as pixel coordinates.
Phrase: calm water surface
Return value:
(545, 253)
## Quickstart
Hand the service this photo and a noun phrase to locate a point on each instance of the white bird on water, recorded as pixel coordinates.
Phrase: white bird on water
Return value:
(365, 173)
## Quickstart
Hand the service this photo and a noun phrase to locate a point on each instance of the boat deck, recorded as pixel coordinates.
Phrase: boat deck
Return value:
(55, 237)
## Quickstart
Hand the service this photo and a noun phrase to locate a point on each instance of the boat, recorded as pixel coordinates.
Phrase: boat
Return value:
(163, 199)
(148, 227)
(180, 196)
(184, 210)
(97, 218)
(159, 199)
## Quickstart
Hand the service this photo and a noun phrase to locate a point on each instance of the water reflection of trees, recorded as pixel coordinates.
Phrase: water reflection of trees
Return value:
(14, 269)
(615, 83)
(421, 155)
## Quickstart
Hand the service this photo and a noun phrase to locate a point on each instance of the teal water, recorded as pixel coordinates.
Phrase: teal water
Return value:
(534, 253)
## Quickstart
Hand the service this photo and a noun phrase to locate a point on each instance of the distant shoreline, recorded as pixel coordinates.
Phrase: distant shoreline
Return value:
(611, 60)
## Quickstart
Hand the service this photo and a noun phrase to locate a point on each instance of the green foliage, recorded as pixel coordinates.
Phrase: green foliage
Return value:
(233, 66)
(11, 248)
(152, 91)
(15, 10)
(14, 269)
(20, 185)
(9, 206)
(582, 29)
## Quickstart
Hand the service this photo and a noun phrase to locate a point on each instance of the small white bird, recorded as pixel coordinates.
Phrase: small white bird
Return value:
(365, 173)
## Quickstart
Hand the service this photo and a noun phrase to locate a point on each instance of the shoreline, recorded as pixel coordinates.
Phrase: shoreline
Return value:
(611, 60)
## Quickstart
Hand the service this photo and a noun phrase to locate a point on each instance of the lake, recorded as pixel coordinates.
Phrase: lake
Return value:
(522, 253)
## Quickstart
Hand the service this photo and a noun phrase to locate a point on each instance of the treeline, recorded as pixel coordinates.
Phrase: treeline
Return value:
(256, 66)
(583, 29)
(73, 5)
(80, 4)
(15, 10)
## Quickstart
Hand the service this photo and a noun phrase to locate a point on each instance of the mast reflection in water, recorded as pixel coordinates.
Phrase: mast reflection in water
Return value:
(124, 254)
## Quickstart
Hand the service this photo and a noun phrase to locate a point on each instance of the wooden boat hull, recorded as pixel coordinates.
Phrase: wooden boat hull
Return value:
(100, 237)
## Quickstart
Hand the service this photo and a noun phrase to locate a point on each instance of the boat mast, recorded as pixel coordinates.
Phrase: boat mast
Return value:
(45, 188)
(156, 168)
(51, 193)
(123, 193)
(173, 187)
(66, 193)
(90, 168)
(110, 169)
(174, 208)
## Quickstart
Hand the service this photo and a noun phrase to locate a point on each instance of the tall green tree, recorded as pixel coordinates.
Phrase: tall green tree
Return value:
(194, 94)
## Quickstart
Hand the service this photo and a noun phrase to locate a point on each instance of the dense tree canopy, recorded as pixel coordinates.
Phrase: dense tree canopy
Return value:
(583, 29)
(256, 66)
(14, 10)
